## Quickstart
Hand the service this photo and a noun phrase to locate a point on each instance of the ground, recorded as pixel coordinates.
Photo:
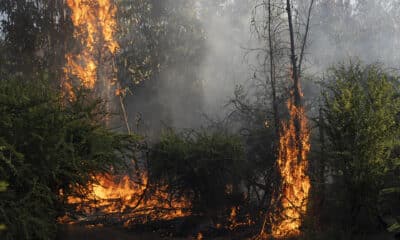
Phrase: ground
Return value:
(74, 232)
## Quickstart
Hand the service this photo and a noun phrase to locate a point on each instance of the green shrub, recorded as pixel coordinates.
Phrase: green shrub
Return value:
(48, 146)
(360, 110)
(208, 167)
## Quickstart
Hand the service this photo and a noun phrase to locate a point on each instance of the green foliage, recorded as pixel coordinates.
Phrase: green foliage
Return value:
(389, 196)
(360, 109)
(258, 132)
(155, 34)
(34, 36)
(163, 43)
(48, 147)
(201, 165)
(3, 187)
(389, 209)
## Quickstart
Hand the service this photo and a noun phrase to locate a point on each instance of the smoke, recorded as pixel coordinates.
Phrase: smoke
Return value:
(202, 61)
(202, 77)
(364, 29)
(227, 27)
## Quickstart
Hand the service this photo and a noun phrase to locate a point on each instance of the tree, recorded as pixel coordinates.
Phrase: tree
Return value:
(162, 45)
(34, 37)
(360, 110)
(366, 29)
(296, 61)
(267, 23)
(47, 150)
(279, 54)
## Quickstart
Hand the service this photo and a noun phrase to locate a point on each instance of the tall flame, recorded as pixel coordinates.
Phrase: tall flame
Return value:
(91, 66)
(293, 164)
(94, 28)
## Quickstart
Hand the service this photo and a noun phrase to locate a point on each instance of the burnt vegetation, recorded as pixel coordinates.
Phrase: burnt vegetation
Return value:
(199, 119)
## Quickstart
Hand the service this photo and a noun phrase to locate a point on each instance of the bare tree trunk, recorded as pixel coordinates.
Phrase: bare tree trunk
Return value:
(321, 165)
(296, 68)
(124, 114)
(272, 72)
(303, 46)
(296, 80)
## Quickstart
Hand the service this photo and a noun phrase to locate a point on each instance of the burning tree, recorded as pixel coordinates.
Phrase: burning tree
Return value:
(91, 65)
(293, 147)
(292, 164)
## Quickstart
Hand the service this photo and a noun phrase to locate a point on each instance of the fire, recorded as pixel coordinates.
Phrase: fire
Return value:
(293, 164)
(132, 201)
(94, 27)
(91, 66)
(233, 221)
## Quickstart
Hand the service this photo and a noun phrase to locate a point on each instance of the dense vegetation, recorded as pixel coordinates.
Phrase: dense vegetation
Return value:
(360, 119)
(50, 147)
(210, 167)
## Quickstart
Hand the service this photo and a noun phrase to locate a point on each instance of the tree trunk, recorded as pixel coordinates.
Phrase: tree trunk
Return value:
(272, 73)
(296, 80)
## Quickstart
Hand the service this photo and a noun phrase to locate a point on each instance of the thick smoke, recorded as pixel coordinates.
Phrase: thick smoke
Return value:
(191, 89)
(199, 72)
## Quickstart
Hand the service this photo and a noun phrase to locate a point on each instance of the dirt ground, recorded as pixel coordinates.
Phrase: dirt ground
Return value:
(76, 232)
(73, 232)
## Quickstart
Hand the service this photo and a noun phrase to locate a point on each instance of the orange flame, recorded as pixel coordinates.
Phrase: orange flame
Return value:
(295, 181)
(92, 67)
(94, 27)
(131, 199)
(233, 221)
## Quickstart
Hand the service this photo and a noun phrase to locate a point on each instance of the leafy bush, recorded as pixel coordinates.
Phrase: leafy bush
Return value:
(360, 109)
(208, 167)
(47, 146)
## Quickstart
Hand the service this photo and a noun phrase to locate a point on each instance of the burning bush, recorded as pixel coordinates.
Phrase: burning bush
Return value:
(46, 147)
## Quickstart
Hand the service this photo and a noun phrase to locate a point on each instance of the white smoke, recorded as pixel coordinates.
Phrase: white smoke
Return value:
(228, 34)
(339, 30)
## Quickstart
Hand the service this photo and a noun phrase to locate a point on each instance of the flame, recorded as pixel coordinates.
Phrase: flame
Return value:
(133, 200)
(92, 67)
(295, 181)
(94, 27)
(232, 218)
(233, 221)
